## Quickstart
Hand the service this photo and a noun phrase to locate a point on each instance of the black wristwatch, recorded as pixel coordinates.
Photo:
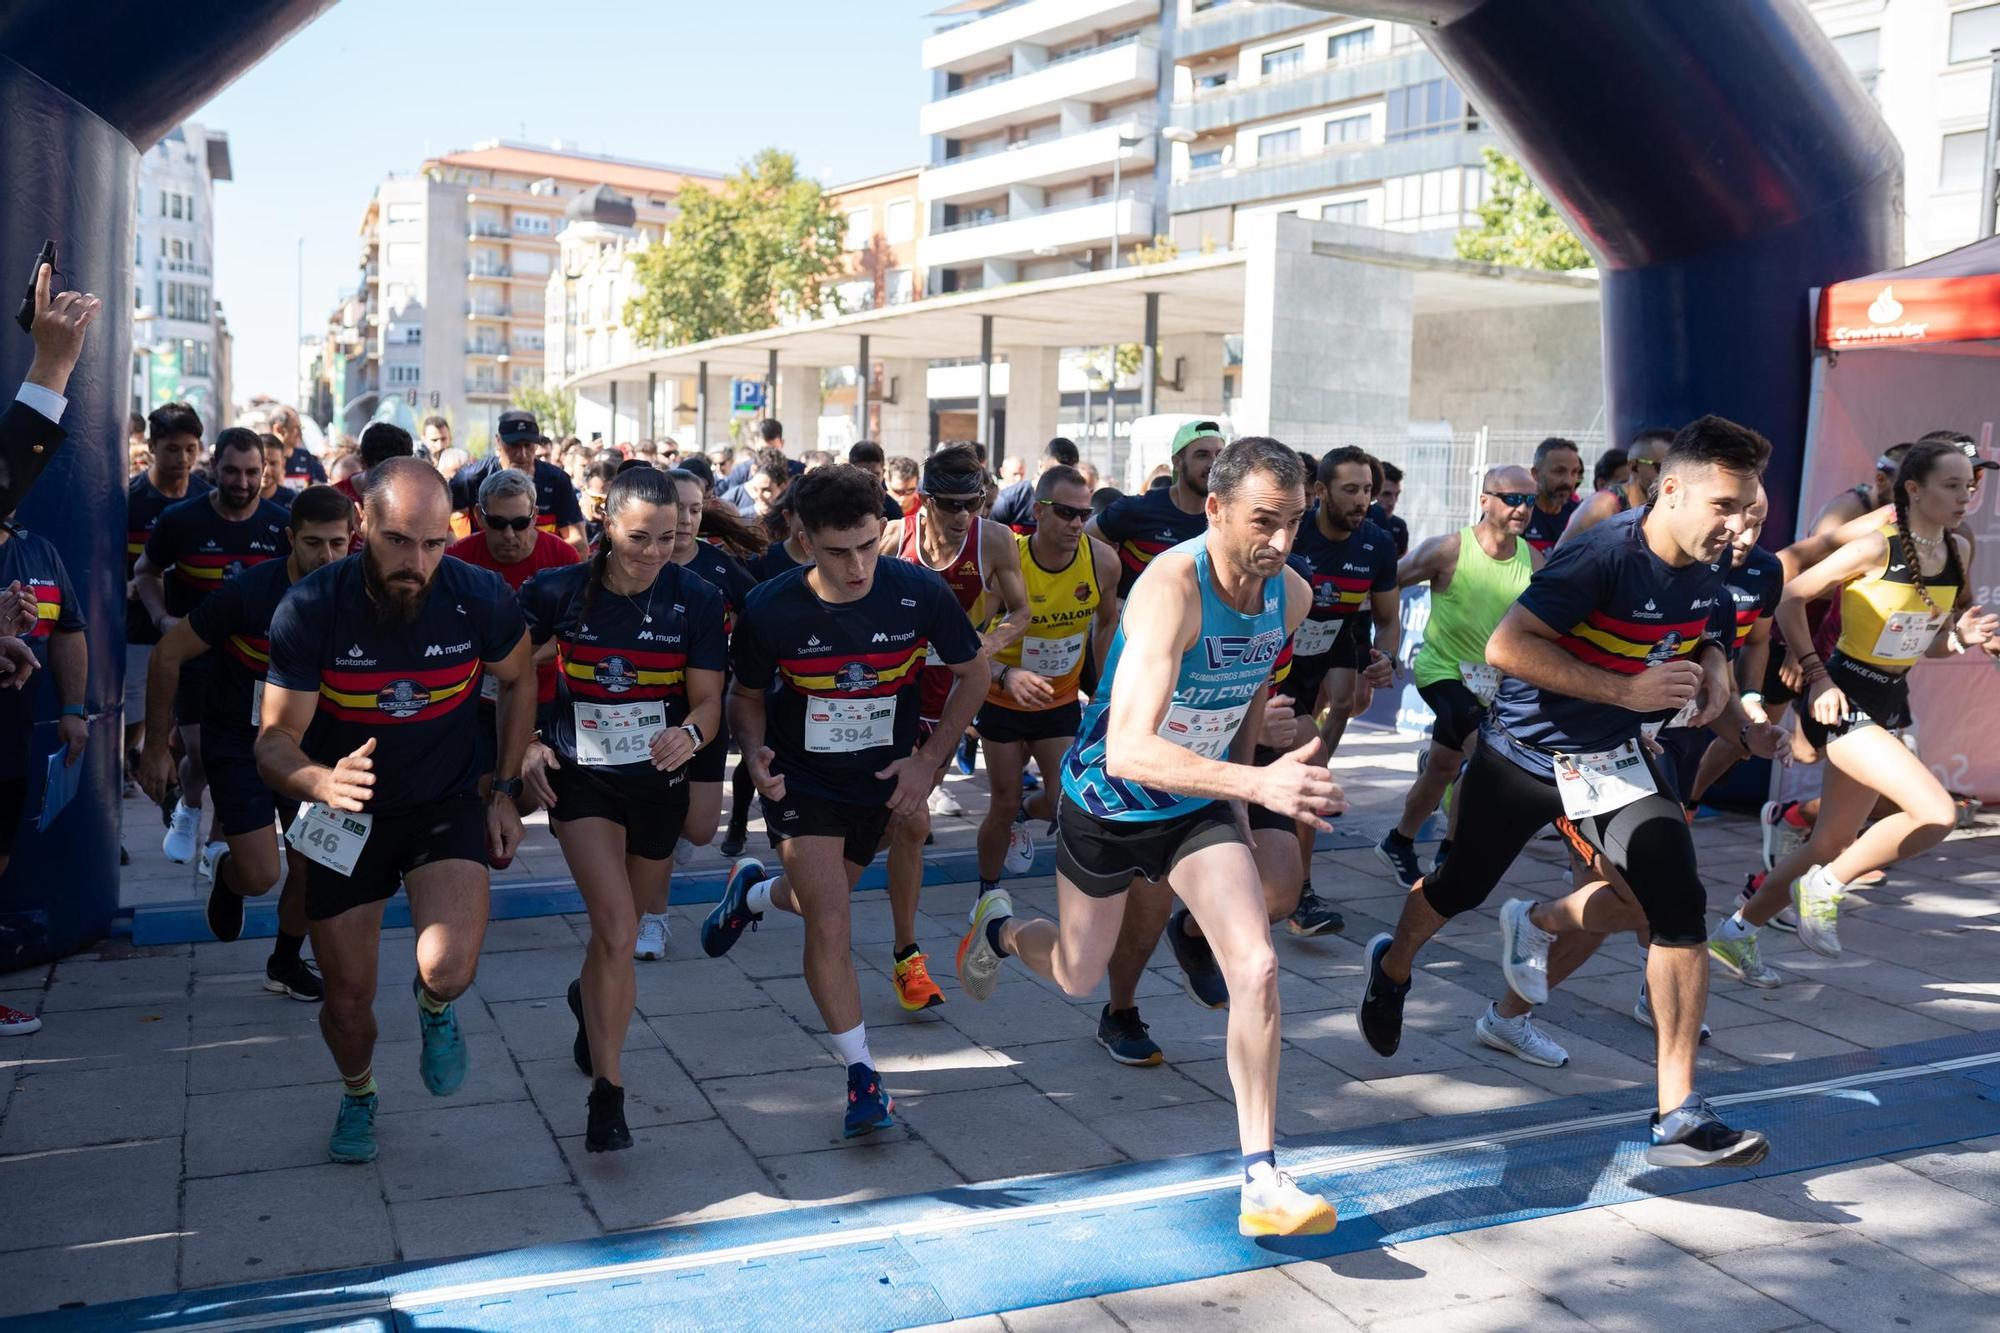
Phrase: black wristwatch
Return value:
(509, 787)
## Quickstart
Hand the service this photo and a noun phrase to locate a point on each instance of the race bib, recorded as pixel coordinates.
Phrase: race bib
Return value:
(1607, 780)
(845, 726)
(931, 659)
(610, 734)
(1203, 731)
(1054, 658)
(1682, 716)
(1907, 634)
(256, 704)
(1481, 679)
(1314, 637)
(332, 838)
(489, 687)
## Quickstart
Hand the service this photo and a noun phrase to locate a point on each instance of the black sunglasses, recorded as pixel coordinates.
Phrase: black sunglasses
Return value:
(1070, 512)
(521, 524)
(1512, 499)
(956, 505)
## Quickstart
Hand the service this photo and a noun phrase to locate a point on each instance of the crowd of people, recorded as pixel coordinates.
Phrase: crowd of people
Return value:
(374, 666)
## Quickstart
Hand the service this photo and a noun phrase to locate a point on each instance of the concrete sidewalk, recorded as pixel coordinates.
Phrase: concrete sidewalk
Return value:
(167, 1128)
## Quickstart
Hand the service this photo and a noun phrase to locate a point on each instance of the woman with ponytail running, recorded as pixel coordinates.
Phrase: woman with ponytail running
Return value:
(639, 658)
(1903, 597)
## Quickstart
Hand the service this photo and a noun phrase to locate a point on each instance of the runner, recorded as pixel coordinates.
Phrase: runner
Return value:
(236, 622)
(1139, 527)
(980, 561)
(274, 487)
(1558, 471)
(1623, 627)
(1643, 458)
(832, 746)
(201, 542)
(1156, 787)
(173, 433)
(374, 660)
(1611, 469)
(1474, 574)
(639, 655)
(1383, 512)
(1903, 596)
(515, 436)
(1019, 504)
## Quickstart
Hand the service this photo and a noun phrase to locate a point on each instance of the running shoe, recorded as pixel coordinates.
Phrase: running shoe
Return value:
(17, 1022)
(1784, 831)
(968, 755)
(209, 856)
(683, 852)
(353, 1130)
(914, 988)
(1524, 952)
(1693, 1135)
(295, 977)
(1380, 1013)
(733, 842)
(225, 906)
(604, 1130)
(1739, 958)
(1819, 914)
(1031, 781)
(443, 1058)
(1643, 1012)
(183, 831)
(579, 1049)
(1786, 919)
(1313, 916)
(1400, 855)
(868, 1107)
(722, 927)
(942, 802)
(1124, 1038)
(1201, 975)
(1519, 1037)
(1020, 850)
(651, 946)
(1272, 1204)
(1004, 903)
(978, 961)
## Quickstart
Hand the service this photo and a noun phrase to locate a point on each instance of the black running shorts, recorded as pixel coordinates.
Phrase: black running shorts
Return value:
(1458, 710)
(651, 814)
(859, 827)
(1875, 698)
(243, 804)
(453, 829)
(1014, 726)
(1103, 856)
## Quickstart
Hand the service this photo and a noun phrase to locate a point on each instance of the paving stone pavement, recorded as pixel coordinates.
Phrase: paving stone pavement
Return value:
(166, 1129)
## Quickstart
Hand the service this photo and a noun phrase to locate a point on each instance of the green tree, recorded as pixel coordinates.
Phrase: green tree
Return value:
(555, 412)
(766, 244)
(1518, 225)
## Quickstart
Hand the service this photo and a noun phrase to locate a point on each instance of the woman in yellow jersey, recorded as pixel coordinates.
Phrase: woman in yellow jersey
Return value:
(1902, 592)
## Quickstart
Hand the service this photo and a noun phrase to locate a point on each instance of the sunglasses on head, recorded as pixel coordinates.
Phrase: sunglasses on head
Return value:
(1070, 512)
(1512, 499)
(521, 524)
(952, 504)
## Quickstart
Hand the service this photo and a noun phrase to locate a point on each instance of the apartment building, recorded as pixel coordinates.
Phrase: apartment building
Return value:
(179, 343)
(885, 221)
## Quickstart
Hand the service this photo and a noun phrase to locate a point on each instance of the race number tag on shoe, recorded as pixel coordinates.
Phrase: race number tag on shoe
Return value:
(333, 838)
(843, 726)
(1203, 731)
(1051, 657)
(1314, 637)
(1603, 781)
(1481, 679)
(1907, 635)
(256, 704)
(609, 734)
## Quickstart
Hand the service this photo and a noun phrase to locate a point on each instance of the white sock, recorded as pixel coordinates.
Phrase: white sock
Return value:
(759, 898)
(1734, 927)
(1823, 882)
(852, 1046)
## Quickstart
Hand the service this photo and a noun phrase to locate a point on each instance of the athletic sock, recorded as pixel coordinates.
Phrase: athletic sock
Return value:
(993, 925)
(363, 1086)
(987, 886)
(852, 1046)
(759, 897)
(1823, 882)
(286, 947)
(904, 955)
(1253, 1160)
(1734, 927)
(430, 1003)
(1398, 839)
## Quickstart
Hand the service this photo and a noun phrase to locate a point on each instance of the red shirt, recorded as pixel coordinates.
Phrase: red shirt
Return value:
(550, 551)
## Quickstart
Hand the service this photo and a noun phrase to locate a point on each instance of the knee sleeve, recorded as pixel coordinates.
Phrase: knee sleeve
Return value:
(1648, 843)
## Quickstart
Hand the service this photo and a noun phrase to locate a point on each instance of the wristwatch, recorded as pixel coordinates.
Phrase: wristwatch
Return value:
(509, 787)
(694, 733)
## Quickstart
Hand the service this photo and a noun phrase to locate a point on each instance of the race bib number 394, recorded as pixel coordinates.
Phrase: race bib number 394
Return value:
(846, 726)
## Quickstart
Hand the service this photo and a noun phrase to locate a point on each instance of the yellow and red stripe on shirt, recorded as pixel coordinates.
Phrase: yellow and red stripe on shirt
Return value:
(206, 570)
(1746, 620)
(1135, 553)
(1626, 646)
(854, 675)
(648, 674)
(48, 608)
(393, 697)
(1350, 591)
(252, 654)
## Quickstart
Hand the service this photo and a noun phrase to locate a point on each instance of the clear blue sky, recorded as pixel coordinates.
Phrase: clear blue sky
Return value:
(374, 85)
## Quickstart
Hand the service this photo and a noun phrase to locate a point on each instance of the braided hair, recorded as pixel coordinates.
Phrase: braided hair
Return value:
(723, 521)
(1917, 466)
(641, 485)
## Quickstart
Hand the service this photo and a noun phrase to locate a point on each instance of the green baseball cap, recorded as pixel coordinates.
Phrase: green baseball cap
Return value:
(1191, 431)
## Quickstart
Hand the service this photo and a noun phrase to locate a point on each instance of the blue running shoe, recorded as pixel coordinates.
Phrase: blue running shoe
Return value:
(968, 756)
(1031, 781)
(868, 1106)
(442, 1060)
(353, 1130)
(721, 928)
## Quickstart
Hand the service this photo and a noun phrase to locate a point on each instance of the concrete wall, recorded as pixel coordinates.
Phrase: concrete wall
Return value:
(1539, 368)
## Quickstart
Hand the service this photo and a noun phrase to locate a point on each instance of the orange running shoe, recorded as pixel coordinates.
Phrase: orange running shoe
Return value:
(914, 988)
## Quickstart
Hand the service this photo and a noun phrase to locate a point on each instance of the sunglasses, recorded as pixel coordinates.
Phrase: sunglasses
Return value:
(956, 504)
(1070, 512)
(1512, 499)
(521, 524)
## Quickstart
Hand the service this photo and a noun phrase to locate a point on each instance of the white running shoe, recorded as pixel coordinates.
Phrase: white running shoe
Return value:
(1819, 914)
(1272, 1204)
(1642, 1011)
(1020, 851)
(209, 854)
(654, 932)
(1781, 837)
(182, 833)
(683, 852)
(1524, 952)
(1741, 960)
(1519, 1037)
(942, 802)
(1003, 904)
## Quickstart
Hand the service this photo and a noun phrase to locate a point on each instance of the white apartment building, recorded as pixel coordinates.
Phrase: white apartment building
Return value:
(179, 350)
(1928, 65)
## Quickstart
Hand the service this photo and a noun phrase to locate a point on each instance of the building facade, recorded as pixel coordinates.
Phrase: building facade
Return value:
(179, 343)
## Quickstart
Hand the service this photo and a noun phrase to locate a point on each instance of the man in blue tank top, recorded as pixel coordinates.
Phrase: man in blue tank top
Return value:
(1158, 785)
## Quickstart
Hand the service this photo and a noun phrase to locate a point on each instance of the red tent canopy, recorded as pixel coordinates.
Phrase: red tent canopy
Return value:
(1952, 298)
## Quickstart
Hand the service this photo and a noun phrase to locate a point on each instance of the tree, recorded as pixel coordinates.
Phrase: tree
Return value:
(766, 244)
(554, 412)
(1518, 225)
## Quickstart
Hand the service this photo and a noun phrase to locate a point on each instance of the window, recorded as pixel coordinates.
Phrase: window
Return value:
(1974, 32)
(404, 254)
(175, 207)
(1277, 62)
(531, 224)
(405, 374)
(1343, 47)
(1959, 165)
(900, 221)
(195, 357)
(860, 228)
(1279, 143)
(1219, 79)
(1355, 211)
(899, 284)
(1349, 129)
(406, 213)
(1861, 51)
(1425, 109)
(1206, 158)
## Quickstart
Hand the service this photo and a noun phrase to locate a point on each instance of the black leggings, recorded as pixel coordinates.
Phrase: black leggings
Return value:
(1502, 805)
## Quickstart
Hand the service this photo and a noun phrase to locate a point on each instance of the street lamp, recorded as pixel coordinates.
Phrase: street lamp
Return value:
(1125, 141)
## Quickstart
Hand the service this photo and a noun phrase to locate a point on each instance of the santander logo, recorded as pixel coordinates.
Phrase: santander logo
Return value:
(1885, 308)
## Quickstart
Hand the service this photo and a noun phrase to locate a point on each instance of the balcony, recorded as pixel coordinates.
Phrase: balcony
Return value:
(1124, 68)
(186, 266)
(486, 349)
(1307, 90)
(478, 310)
(520, 316)
(488, 272)
(1340, 166)
(496, 231)
(1234, 22)
(1022, 235)
(1034, 23)
(1071, 157)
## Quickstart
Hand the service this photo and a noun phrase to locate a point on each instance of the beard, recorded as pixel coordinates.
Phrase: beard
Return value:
(398, 600)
